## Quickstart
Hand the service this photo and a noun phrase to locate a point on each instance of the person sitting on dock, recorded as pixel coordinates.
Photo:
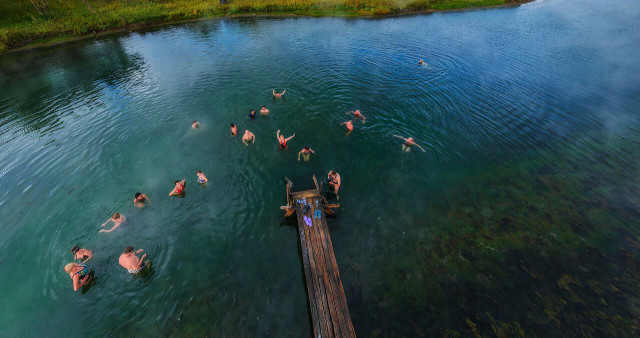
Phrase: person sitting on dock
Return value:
(282, 140)
(408, 143)
(306, 153)
(201, 178)
(79, 253)
(234, 130)
(264, 111)
(248, 137)
(178, 190)
(252, 114)
(349, 126)
(334, 181)
(117, 220)
(140, 200)
(79, 273)
(195, 124)
(130, 261)
(357, 114)
(278, 95)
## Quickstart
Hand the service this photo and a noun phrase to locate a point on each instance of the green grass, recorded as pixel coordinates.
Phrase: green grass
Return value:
(21, 24)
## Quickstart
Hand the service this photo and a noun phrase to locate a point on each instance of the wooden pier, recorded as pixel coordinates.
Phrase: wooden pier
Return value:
(328, 305)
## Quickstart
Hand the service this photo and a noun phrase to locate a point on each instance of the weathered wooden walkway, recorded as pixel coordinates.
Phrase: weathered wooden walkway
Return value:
(329, 310)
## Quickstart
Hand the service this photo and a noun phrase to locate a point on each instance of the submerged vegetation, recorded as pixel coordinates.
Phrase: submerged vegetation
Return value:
(23, 22)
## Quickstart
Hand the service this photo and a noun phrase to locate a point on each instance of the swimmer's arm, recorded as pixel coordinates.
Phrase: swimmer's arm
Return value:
(173, 192)
(76, 283)
(245, 142)
(400, 137)
(278, 134)
(139, 251)
(311, 150)
(147, 198)
(287, 139)
(140, 261)
(105, 223)
(116, 226)
(88, 254)
(415, 144)
(299, 155)
(274, 92)
(283, 91)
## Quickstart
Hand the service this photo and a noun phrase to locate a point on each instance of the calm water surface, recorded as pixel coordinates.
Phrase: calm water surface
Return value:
(520, 219)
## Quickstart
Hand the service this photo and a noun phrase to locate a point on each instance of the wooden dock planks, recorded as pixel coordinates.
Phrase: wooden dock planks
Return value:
(329, 310)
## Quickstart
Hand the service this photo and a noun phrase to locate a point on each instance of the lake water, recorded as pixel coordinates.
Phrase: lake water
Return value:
(521, 218)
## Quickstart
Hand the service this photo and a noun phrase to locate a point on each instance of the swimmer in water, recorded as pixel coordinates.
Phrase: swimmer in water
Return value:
(306, 153)
(201, 178)
(117, 220)
(248, 137)
(264, 111)
(178, 190)
(79, 273)
(252, 114)
(131, 262)
(282, 140)
(234, 130)
(349, 125)
(140, 200)
(278, 95)
(79, 253)
(357, 114)
(195, 124)
(334, 181)
(421, 62)
(408, 143)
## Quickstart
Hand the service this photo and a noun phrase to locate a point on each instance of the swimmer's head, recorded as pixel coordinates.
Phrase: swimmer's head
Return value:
(253, 111)
(116, 215)
(75, 249)
(138, 195)
(194, 121)
(128, 249)
(410, 139)
(263, 107)
(176, 182)
(306, 148)
(233, 125)
(198, 172)
(332, 172)
(69, 267)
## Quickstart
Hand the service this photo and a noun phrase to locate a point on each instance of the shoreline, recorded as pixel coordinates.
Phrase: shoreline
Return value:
(61, 40)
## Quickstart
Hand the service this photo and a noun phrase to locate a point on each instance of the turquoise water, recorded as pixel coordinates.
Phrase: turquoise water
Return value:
(520, 219)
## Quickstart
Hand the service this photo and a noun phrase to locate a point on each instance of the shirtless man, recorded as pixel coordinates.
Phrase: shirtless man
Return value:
(195, 124)
(408, 142)
(130, 261)
(234, 130)
(278, 95)
(264, 111)
(306, 153)
(248, 137)
(357, 114)
(79, 253)
(334, 181)
(283, 141)
(141, 200)
(117, 220)
(349, 125)
(178, 189)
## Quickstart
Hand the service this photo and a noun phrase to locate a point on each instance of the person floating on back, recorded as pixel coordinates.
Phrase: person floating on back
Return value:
(178, 190)
(130, 261)
(79, 253)
(264, 111)
(201, 178)
(349, 126)
(248, 137)
(357, 114)
(252, 114)
(408, 143)
(234, 130)
(278, 95)
(117, 220)
(334, 181)
(140, 200)
(282, 140)
(306, 153)
(79, 273)
(195, 124)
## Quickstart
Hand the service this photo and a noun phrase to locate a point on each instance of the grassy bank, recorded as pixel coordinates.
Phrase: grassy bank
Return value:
(27, 22)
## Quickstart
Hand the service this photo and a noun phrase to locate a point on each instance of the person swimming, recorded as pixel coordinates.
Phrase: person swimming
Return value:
(349, 126)
(278, 95)
(252, 114)
(421, 62)
(201, 178)
(408, 143)
(130, 261)
(79, 253)
(306, 153)
(117, 220)
(178, 190)
(195, 124)
(357, 114)
(334, 181)
(234, 130)
(264, 111)
(248, 137)
(140, 200)
(79, 273)
(282, 140)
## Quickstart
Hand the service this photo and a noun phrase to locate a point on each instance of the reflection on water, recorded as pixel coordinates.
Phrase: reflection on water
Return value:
(520, 219)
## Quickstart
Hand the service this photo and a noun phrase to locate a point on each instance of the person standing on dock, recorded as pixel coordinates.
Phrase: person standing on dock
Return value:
(357, 114)
(408, 143)
(349, 125)
(178, 190)
(130, 261)
(248, 137)
(334, 181)
(282, 140)
(306, 153)
(278, 95)
(117, 220)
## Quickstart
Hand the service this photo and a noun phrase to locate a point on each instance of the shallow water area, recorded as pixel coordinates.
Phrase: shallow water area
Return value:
(519, 219)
